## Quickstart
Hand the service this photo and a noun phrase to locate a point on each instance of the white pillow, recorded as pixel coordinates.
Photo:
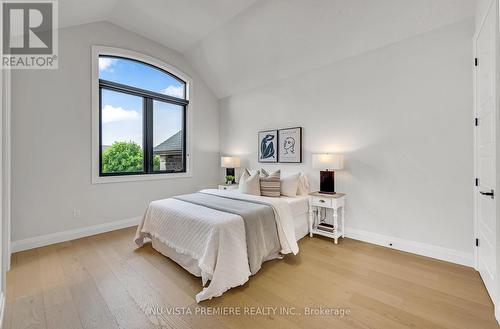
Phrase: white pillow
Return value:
(303, 188)
(250, 171)
(250, 184)
(289, 185)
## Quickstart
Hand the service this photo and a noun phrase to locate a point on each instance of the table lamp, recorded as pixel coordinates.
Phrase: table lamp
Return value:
(327, 163)
(230, 163)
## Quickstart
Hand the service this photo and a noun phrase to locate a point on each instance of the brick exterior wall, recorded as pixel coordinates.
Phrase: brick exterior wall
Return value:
(171, 162)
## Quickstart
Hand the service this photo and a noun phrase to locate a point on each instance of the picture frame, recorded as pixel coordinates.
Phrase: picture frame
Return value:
(290, 145)
(268, 146)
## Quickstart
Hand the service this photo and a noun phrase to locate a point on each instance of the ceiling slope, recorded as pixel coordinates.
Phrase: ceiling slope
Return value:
(277, 39)
(77, 12)
(173, 23)
(237, 45)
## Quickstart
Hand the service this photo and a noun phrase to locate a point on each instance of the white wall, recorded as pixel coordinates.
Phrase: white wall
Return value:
(401, 114)
(51, 142)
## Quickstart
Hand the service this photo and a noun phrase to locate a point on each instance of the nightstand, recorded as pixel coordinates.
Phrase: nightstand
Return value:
(320, 203)
(228, 187)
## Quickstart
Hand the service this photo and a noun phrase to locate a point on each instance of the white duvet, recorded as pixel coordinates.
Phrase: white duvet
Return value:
(214, 238)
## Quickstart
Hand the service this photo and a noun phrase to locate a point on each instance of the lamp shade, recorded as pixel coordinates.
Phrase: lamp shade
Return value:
(230, 162)
(328, 161)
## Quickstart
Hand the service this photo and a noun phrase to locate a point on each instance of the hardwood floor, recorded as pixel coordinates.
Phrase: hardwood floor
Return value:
(105, 282)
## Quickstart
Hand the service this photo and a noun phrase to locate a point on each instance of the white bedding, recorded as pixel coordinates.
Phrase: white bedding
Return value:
(215, 239)
(299, 206)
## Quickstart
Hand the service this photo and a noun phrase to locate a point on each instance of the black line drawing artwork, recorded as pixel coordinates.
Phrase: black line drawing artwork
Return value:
(267, 147)
(289, 145)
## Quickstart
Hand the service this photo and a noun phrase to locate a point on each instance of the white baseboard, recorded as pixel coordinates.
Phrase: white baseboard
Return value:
(419, 248)
(414, 247)
(497, 312)
(2, 308)
(45, 240)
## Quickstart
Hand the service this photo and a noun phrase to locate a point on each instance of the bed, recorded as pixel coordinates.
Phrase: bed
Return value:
(224, 236)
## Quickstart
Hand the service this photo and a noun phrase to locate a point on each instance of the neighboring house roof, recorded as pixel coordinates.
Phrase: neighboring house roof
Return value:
(173, 144)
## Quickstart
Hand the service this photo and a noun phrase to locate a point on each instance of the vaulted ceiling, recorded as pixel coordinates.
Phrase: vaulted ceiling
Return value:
(237, 45)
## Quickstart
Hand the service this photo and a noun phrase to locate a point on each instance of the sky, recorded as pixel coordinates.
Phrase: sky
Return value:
(122, 113)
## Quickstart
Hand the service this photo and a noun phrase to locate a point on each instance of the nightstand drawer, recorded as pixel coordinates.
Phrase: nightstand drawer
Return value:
(228, 187)
(319, 201)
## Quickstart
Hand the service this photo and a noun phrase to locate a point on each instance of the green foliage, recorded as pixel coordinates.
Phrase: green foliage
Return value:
(156, 162)
(123, 157)
(229, 179)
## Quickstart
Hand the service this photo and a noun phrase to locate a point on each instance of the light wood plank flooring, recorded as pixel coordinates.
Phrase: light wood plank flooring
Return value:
(105, 282)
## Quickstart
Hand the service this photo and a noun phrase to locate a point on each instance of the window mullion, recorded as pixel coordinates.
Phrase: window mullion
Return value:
(100, 130)
(148, 135)
(184, 137)
(142, 92)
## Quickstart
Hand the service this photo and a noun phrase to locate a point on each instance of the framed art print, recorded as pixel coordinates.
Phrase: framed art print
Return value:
(268, 143)
(290, 145)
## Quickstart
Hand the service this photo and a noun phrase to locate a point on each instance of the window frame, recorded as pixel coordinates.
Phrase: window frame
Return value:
(148, 98)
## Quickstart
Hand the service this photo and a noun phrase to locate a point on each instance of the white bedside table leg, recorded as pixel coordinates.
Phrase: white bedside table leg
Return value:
(310, 221)
(343, 221)
(336, 224)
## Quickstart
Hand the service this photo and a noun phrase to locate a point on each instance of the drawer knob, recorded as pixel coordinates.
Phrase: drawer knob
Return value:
(321, 200)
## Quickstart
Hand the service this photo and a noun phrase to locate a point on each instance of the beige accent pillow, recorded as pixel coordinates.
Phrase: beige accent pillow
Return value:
(250, 184)
(270, 183)
(303, 188)
(290, 185)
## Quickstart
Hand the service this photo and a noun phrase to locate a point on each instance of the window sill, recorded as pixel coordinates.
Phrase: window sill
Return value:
(137, 178)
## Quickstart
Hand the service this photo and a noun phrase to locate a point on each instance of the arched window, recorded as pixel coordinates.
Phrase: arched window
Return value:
(142, 118)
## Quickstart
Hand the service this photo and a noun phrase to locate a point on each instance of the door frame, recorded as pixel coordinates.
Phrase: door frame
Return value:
(6, 172)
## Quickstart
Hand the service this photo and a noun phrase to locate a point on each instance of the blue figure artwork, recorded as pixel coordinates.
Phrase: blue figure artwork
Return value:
(267, 147)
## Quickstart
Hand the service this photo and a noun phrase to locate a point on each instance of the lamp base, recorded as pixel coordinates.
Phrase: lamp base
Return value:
(323, 192)
(230, 172)
(327, 182)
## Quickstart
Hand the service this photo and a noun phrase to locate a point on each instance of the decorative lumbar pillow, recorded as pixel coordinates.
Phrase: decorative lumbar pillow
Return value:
(250, 184)
(270, 183)
(303, 188)
(289, 185)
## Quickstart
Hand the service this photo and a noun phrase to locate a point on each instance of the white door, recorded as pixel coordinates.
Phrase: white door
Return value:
(485, 150)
